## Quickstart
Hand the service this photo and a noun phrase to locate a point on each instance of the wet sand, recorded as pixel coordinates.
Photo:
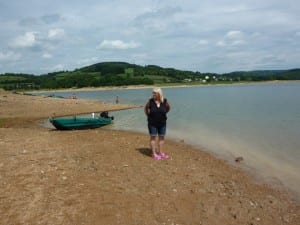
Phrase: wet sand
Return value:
(102, 176)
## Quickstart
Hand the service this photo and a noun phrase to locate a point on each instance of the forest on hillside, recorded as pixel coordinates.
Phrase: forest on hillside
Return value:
(123, 74)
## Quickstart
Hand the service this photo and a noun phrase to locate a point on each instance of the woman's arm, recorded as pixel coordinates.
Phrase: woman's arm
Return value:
(146, 108)
(168, 107)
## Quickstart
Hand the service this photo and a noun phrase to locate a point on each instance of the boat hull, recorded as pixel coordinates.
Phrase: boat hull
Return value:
(79, 123)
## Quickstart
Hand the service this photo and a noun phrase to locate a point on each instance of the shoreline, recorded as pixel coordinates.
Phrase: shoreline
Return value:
(133, 87)
(240, 162)
(107, 176)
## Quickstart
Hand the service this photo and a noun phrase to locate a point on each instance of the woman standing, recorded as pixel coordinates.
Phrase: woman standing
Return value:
(156, 111)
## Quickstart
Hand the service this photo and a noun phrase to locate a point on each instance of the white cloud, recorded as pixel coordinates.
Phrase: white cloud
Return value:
(27, 40)
(232, 38)
(9, 56)
(33, 41)
(234, 34)
(47, 55)
(117, 44)
(55, 34)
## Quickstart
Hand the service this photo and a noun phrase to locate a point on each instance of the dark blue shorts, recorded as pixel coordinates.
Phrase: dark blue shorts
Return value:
(157, 130)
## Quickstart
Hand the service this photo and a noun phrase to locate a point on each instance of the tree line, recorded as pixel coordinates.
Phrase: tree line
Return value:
(122, 74)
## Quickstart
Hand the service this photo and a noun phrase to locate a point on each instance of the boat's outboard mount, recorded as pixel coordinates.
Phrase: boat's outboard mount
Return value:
(105, 115)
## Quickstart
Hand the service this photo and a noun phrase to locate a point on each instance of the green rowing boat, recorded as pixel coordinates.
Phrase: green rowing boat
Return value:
(79, 123)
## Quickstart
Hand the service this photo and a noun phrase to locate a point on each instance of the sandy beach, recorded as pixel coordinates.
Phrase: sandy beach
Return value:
(178, 85)
(102, 176)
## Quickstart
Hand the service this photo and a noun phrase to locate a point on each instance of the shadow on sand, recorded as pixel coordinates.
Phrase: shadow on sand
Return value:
(145, 151)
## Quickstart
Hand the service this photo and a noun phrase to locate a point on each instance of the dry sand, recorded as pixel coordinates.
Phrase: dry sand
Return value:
(107, 177)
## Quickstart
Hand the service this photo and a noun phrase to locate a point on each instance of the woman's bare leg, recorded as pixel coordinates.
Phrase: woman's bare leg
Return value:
(161, 141)
(153, 144)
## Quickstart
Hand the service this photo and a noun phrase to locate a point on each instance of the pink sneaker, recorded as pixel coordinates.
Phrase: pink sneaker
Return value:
(164, 156)
(156, 156)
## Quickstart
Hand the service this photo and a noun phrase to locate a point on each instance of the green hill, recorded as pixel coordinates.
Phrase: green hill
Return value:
(122, 74)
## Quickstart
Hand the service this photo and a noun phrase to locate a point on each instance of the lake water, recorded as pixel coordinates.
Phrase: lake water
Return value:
(260, 122)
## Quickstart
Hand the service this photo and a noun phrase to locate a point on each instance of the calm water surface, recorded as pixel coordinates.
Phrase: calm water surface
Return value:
(260, 122)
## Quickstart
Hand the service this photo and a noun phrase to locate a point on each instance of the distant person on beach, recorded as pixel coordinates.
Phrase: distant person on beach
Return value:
(156, 111)
(117, 99)
(73, 96)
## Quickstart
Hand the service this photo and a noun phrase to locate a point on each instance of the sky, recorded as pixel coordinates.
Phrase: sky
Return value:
(217, 36)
